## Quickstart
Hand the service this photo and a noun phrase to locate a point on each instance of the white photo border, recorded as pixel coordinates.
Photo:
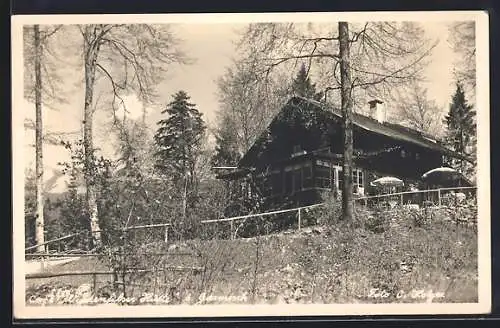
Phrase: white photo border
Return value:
(22, 311)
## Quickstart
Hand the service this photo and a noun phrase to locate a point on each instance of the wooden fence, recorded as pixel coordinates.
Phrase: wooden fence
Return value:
(95, 273)
(430, 197)
(435, 200)
(365, 200)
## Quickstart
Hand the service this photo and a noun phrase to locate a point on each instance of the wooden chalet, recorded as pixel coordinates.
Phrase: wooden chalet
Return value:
(299, 156)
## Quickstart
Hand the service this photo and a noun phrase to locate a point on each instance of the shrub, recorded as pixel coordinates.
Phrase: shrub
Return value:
(376, 222)
(331, 211)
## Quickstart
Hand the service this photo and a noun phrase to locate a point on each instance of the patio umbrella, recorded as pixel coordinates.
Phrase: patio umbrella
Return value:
(445, 176)
(387, 182)
(440, 171)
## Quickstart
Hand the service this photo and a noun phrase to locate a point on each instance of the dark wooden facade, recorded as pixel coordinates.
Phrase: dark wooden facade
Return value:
(298, 158)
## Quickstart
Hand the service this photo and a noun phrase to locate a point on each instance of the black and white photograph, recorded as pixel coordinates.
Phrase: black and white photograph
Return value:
(251, 164)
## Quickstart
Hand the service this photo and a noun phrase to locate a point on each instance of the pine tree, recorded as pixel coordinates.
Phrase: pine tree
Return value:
(303, 87)
(461, 128)
(226, 149)
(179, 140)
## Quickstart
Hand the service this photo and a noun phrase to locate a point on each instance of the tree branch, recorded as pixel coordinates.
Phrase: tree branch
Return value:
(116, 95)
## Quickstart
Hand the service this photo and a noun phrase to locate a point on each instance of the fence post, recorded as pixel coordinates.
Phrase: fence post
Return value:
(166, 234)
(94, 283)
(42, 263)
(402, 201)
(231, 229)
(300, 219)
(439, 197)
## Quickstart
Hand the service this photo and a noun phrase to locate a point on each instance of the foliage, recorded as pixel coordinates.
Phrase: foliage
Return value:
(29, 208)
(331, 212)
(226, 148)
(73, 217)
(178, 157)
(178, 137)
(461, 130)
(342, 263)
(73, 208)
(303, 87)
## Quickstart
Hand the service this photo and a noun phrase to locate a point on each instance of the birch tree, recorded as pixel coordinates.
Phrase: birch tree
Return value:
(131, 58)
(36, 45)
(39, 225)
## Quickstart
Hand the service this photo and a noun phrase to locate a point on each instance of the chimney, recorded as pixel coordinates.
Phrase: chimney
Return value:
(377, 110)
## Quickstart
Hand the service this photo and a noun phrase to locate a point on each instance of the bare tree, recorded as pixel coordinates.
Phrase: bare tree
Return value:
(463, 41)
(39, 230)
(372, 59)
(249, 100)
(418, 112)
(131, 58)
(36, 44)
(49, 60)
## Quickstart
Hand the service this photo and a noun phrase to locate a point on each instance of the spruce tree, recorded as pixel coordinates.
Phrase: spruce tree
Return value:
(179, 141)
(179, 136)
(461, 128)
(303, 87)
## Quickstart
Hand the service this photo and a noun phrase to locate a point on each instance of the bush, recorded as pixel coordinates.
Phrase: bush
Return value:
(376, 223)
(331, 212)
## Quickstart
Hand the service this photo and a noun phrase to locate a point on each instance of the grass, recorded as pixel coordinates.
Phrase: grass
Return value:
(379, 258)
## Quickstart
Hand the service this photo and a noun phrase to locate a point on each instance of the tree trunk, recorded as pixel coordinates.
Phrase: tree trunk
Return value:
(184, 200)
(346, 99)
(91, 52)
(39, 222)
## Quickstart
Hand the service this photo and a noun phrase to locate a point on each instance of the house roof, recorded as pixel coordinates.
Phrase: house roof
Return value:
(391, 130)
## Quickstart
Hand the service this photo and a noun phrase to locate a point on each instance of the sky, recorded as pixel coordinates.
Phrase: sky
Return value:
(212, 47)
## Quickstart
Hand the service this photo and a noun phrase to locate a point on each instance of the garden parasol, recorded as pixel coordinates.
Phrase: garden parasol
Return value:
(445, 176)
(387, 182)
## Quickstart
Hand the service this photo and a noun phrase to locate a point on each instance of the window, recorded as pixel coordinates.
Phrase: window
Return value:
(276, 183)
(323, 177)
(357, 178)
(403, 153)
(417, 156)
(295, 177)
